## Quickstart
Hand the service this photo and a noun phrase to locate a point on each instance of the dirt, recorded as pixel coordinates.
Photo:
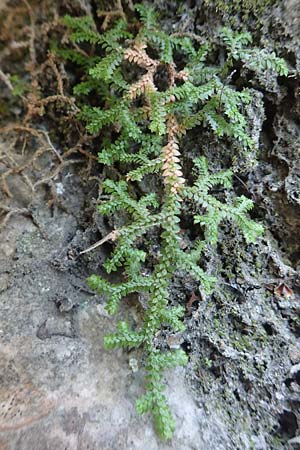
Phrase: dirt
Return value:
(59, 389)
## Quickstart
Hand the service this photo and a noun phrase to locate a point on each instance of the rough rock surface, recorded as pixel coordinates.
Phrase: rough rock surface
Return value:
(59, 389)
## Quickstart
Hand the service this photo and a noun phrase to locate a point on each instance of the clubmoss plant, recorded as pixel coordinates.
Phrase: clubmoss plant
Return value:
(144, 106)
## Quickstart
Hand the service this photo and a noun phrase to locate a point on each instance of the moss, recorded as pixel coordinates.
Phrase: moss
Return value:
(243, 8)
(19, 86)
(4, 108)
(207, 363)
(242, 343)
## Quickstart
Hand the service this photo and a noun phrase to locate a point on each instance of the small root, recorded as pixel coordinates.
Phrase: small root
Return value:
(31, 34)
(110, 15)
(35, 166)
(6, 80)
(56, 171)
(10, 212)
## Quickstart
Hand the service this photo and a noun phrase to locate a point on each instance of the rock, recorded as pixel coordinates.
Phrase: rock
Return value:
(294, 353)
(295, 369)
(55, 327)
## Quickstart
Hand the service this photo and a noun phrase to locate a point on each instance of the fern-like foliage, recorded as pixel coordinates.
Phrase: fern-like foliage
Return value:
(214, 210)
(258, 60)
(141, 125)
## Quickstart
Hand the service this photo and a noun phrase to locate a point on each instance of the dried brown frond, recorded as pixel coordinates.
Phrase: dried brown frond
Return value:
(142, 86)
(171, 169)
(145, 84)
(138, 55)
(182, 75)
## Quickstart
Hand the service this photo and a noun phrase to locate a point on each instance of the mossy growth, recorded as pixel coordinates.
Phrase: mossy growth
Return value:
(241, 8)
(140, 121)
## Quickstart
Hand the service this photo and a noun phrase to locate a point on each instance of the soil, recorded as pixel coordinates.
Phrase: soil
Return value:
(59, 389)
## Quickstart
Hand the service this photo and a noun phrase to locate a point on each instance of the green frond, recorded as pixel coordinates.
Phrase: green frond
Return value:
(261, 61)
(74, 56)
(123, 338)
(250, 229)
(164, 43)
(157, 115)
(152, 166)
(105, 69)
(120, 199)
(83, 29)
(99, 284)
(258, 60)
(235, 41)
(201, 166)
(197, 251)
(191, 93)
(116, 151)
(185, 44)
(222, 113)
(116, 292)
(173, 317)
(96, 118)
(110, 40)
(148, 16)
(124, 253)
(155, 400)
